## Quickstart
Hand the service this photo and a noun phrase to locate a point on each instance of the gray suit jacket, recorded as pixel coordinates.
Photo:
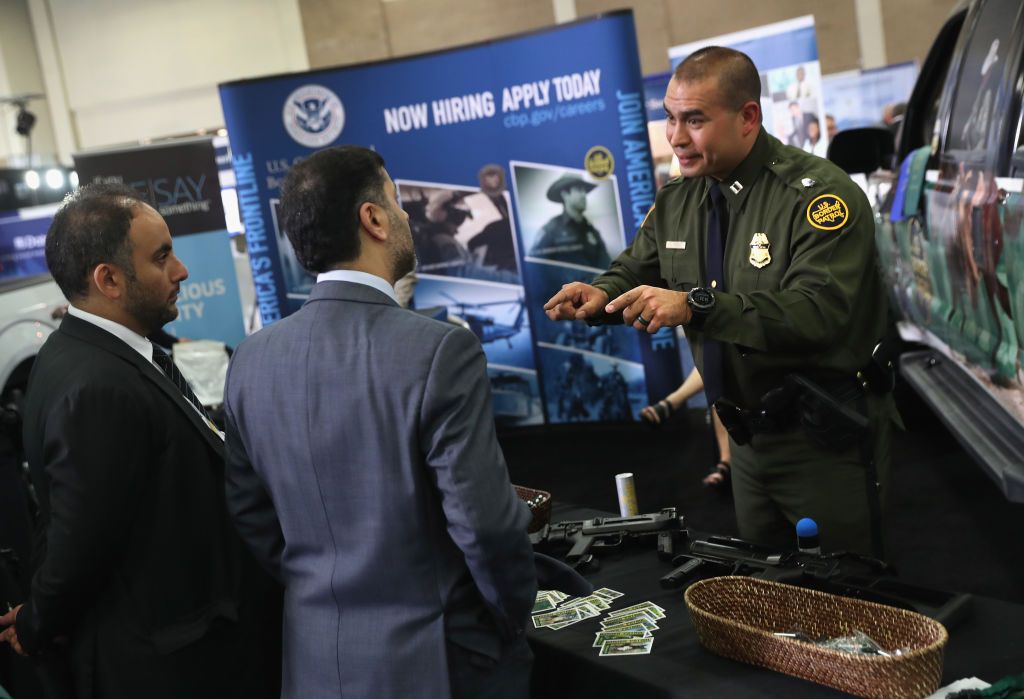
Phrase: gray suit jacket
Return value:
(364, 472)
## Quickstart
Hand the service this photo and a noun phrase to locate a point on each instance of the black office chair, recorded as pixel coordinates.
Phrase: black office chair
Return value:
(863, 150)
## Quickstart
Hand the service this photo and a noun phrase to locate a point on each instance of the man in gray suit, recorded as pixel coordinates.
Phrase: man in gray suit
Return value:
(363, 468)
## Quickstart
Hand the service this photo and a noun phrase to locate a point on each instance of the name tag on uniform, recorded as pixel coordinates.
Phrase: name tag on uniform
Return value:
(675, 244)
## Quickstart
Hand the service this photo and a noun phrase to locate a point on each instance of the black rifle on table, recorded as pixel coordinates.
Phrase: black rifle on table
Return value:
(729, 556)
(583, 536)
(841, 573)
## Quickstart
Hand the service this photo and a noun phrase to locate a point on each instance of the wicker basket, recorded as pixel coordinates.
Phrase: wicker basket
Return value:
(540, 506)
(736, 617)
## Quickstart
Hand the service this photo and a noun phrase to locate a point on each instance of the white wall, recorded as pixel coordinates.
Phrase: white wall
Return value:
(140, 69)
(20, 73)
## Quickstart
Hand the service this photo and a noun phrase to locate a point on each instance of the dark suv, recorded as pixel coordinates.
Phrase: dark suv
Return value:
(950, 234)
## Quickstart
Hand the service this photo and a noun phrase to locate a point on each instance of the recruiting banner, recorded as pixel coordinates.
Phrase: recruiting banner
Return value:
(786, 56)
(180, 181)
(523, 164)
(23, 241)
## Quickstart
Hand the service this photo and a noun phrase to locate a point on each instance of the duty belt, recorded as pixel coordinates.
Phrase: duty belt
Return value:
(819, 407)
(743, 424)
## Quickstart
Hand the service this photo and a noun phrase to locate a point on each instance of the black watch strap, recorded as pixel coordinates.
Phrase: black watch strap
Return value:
(701, 301)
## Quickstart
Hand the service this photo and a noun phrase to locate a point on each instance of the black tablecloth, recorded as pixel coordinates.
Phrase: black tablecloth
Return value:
(989, 644)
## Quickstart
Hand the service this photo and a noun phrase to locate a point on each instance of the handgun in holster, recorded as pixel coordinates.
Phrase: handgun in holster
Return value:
(731, 416)
(774, 416)
(830, 418)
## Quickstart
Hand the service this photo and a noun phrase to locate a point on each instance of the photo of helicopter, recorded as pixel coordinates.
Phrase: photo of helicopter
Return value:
(495, 313)
(485, 326)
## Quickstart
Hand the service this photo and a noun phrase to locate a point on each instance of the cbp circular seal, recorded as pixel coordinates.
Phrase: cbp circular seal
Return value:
(599, 162)
(313, 116)
(827, 212)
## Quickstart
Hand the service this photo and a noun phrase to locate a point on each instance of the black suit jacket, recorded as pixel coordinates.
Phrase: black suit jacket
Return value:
(136, 564)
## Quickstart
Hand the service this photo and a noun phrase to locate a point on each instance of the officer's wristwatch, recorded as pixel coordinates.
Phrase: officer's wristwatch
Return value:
(701, 301)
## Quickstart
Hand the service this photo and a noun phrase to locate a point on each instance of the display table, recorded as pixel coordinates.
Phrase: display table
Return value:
(989, 644)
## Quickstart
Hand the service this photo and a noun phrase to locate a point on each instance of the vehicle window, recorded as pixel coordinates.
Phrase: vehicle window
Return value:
(923, 108)
(974, 114)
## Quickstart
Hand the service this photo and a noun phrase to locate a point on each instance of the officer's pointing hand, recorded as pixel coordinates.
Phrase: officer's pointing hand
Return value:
(650, 308)
(10, 634)
(575, 301)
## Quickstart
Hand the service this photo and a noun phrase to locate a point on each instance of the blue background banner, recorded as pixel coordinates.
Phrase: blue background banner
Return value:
(770, 46)
(208, 306)
(23, 241)
(654, 95)
(856, 98)
(482, 142)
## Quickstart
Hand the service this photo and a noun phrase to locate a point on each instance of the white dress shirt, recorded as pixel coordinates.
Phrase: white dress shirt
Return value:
(351, 275)
(131, 338)
(136, 342)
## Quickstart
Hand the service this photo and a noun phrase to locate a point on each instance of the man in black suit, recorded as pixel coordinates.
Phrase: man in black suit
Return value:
(141, 586)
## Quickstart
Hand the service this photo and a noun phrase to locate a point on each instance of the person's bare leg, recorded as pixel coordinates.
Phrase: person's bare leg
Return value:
(720, 475)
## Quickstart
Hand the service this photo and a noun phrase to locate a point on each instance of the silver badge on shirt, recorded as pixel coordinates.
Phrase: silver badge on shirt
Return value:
(759, 254)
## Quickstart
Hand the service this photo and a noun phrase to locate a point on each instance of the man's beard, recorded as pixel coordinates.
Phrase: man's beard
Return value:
(150, 312)
(403, 256)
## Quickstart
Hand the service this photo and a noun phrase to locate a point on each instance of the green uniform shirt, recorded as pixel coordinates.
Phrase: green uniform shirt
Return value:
(811, 301)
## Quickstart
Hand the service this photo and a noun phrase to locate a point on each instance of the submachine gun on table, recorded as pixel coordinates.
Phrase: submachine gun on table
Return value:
(586, 535)
(840, 573)
(704, 555)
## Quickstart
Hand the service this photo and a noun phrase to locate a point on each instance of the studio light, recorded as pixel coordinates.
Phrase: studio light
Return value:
(54, 179)
(32, 179)
(73, 179)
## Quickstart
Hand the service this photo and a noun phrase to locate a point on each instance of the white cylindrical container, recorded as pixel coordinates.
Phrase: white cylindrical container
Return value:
(625, 486)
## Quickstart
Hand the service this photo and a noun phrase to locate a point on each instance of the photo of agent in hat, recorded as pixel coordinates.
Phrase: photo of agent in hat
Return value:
(569, 236)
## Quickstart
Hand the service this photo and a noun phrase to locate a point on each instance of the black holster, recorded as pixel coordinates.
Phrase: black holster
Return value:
(833, 417)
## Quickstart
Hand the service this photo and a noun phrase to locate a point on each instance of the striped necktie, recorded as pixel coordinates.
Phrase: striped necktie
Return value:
(718, 224)
(166, 364)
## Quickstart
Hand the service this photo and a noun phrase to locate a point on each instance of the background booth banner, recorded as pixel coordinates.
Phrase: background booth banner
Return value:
(786, 56)
(23, 241)
(666, 166)
(180, 181)
(489, 144)
(856, 97)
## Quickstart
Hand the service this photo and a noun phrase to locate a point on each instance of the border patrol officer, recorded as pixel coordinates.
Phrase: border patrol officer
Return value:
(766, 255)
(570, 237)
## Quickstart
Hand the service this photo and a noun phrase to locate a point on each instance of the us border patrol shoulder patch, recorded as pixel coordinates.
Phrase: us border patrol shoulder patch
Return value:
(827, 212)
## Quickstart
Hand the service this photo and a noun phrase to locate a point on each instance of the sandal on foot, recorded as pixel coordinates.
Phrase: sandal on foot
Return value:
(721, 470)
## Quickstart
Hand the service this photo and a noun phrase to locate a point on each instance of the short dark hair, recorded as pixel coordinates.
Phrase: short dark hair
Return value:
(738, 80)
(90, 228)
(320, 201)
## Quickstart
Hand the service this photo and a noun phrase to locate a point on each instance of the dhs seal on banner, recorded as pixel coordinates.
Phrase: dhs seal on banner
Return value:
(599, 162)
(313, 116)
